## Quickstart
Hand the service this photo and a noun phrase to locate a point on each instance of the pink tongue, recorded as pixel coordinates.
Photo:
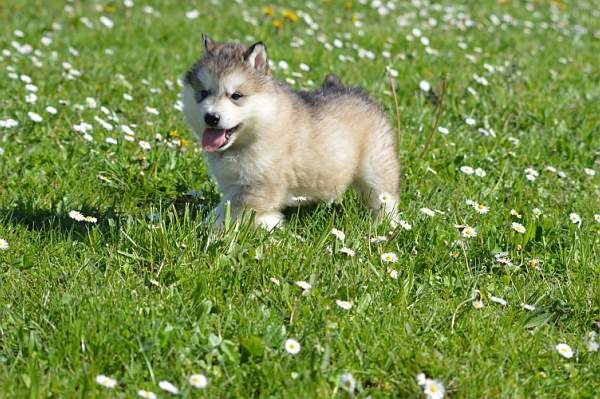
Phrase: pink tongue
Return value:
(213, 139)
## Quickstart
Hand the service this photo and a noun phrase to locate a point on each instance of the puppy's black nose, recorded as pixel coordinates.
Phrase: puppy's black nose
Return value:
(211, 119)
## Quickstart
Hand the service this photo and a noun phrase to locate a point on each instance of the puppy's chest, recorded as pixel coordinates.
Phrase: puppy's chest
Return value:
(238, 169)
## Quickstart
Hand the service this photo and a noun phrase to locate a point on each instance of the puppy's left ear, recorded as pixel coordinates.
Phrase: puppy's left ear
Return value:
(208, 44)
(256, 57)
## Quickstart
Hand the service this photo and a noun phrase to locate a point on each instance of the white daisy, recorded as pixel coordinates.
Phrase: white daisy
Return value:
(76, 216)
(107, 22)
(292, 346)
(433, 389)
(380, 239)
(389, 257)
(590, 341)
(534, 263)
(8, 123)
(82, 127)
(528, 307)
(589, 172)
(537, 212)
(31, 98)
(530, 177)
(144, 145)
(340, 235)
(467, 170)
(424, 85)
(283, 65)
(480, 172)
(478, 304)
(167, 386)
(35, 117)
(393, 273)
(304, 285)
(592, 346)
(469, 232)
(564, 350)
(499, 301)
(146, 394)
(344, 304)
(198, 381)
(348, 251)
(532, 172)
(481, 209)
(152, 111)
(470, 121)
(127, 130)
(575, 218)
(404, 224)
(518, 227)
(105, 381)
(192, 14)
(428, 212)
(597, 217)
(385, 197)
(347, 382)
(91, 102)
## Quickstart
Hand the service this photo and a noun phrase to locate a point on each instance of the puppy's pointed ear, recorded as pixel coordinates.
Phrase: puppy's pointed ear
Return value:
(208, 44)
(256, 57)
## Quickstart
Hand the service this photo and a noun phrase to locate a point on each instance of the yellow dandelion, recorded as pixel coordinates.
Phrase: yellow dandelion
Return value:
(290, 16)
(268, 10)
(277, 23)
(348, 5)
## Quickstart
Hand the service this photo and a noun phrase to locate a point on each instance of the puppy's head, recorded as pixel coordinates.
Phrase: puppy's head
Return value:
(226, 94)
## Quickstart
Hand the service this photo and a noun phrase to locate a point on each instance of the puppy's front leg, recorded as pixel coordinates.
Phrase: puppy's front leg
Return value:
(267, 200)
(270, 220)
(227, 204)
(264, 200)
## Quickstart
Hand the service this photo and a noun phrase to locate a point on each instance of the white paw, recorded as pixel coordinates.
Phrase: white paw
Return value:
(270, 220)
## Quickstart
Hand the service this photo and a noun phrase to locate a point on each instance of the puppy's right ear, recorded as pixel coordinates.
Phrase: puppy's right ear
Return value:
(208, 44)
(256, 57)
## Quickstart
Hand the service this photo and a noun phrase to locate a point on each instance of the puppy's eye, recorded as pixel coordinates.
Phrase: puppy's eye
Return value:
(236, 96)
(201, 95)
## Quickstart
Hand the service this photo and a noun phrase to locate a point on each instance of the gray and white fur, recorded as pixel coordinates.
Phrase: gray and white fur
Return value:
(269, 147)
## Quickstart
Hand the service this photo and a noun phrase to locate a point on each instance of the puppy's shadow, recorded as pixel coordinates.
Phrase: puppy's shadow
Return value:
(55, 222)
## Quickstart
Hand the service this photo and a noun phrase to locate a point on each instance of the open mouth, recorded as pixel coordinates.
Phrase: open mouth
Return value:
(214, 139)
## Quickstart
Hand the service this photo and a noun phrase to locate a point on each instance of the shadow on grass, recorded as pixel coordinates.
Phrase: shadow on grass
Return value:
(55, 221)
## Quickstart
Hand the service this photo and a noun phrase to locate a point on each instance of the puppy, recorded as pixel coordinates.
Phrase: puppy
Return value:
(269, 147)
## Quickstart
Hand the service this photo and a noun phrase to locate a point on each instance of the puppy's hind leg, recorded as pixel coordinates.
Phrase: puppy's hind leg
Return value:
(377, 178)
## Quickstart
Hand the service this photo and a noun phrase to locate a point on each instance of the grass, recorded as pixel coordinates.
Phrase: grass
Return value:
(147, 293)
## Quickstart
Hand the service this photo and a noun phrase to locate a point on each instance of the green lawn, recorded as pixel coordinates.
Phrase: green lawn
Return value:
(145, 292)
